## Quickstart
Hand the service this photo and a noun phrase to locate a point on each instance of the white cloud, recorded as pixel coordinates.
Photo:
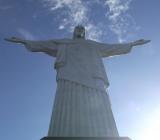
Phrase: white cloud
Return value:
(26, 34)
(117, 8)
(76, 12)
(93, 32)
(75, 9)
(120, 21)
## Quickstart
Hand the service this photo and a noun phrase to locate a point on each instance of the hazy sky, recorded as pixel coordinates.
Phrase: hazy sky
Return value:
(27, 80)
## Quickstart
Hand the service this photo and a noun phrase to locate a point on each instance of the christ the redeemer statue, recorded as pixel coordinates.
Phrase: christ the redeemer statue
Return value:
(82, 107)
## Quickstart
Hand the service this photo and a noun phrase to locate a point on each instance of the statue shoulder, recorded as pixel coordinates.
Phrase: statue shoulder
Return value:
(94, 43)
(62, 41)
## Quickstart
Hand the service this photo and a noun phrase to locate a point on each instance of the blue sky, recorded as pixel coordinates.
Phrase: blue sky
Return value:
(27, 80)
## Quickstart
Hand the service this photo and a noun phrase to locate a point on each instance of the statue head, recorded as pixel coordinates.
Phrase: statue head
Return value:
(79, 32)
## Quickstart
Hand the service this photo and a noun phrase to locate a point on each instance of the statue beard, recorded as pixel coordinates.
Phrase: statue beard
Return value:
(80, 35)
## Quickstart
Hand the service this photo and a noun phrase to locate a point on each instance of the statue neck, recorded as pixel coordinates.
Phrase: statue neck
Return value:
(79, 38)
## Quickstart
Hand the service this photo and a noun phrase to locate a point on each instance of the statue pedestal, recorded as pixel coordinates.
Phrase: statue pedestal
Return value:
(85, 138)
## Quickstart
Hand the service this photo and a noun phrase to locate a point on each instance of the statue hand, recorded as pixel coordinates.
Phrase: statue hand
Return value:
(140, 42)
(15, 40)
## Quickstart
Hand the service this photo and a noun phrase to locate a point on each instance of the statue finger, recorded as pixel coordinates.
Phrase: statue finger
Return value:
(146, 41)
(8, 39)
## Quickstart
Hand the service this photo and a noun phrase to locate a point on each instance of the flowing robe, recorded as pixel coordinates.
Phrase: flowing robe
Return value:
(82, 106)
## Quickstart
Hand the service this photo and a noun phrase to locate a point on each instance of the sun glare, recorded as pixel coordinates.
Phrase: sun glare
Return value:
(151, 130)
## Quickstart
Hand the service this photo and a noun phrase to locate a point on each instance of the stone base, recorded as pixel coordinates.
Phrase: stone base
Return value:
(85, 138)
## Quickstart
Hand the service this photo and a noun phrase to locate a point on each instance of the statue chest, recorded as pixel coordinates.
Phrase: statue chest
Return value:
(81, 53)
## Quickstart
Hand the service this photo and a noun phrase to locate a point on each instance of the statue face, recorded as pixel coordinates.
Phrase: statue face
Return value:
(79, 32)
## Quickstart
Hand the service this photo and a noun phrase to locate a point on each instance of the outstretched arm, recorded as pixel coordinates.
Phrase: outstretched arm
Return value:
(140, 42)
(107, 50)
(15, 40)
(50, 46)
